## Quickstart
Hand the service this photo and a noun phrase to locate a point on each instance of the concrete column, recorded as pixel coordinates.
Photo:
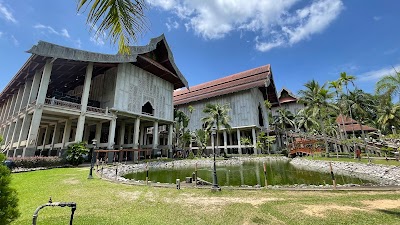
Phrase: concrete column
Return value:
(56, 135)
(111, 133)
(45, 138)
(142, 131)
(225, 142)
(18, 100)
(10, 133)
(253, 132)
(239, 144)
(170, 132)
(37, 114)
(86, 134)
(155, 135)
(84, 102)
(5, 132)
(122, 134)
(10, 111)
(230, 138)
(25, 94)
(4, 114)
(67, 133)
(129, 135)
(16, 131)
(136, 134)
(35, 87)
(23, 135)
(97, 136)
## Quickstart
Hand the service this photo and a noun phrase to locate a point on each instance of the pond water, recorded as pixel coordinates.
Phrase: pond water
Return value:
(249, 173)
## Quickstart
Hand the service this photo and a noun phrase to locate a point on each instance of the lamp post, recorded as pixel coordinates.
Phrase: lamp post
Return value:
(215, 186)
(94, 141)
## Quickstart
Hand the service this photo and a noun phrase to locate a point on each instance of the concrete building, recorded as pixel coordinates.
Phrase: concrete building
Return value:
(287, 101)
(245, 93)
(63, 95)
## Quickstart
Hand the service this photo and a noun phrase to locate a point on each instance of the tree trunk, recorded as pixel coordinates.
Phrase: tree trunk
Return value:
(324, 135)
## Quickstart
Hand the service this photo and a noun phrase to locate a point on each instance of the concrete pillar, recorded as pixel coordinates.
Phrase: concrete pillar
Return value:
(129, 135)
(16, 131)
(142, 131)
(45, 138)
(155, 135)
(111, 133)
(254, 136)
(4, 114)
(239, 144)
(10, 110)
(84, 102)
(35, 87)
(86, 134)
(97, 136)
(230, 138)
(6, 128)
(23, 135)
(121, 141)
(18, 100)
(136, 133)
(225, 142)
(9, 134)
(67, 132)
(25, 94)
(56, 135)
(37, 114)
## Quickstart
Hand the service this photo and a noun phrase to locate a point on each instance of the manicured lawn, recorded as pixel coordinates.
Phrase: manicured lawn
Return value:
(102, 202)
(364, 159)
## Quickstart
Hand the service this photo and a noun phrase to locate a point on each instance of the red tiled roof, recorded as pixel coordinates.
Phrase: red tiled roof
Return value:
(237, 82)
(346, 120)
(287, 99)
(356, 127)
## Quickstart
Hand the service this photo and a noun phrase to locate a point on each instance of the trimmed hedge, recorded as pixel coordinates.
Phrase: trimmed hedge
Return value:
(38, 161)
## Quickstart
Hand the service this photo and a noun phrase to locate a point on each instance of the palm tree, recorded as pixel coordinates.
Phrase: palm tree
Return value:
(389, 84)
(216, 115)
(305, 121)
(201, 137)
(282, 120)
(388, 115)
(317, 101)
(121, 20)
(181, 123)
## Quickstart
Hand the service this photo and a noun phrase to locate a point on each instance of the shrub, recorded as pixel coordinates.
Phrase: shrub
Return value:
(8, 196)
(191, 155)
(76, 152)
(38, 161)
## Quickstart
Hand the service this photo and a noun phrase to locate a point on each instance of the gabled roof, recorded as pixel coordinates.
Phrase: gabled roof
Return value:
(290, 97)
(260, 77)
(345, 119)
(351, 124)
(69, 64)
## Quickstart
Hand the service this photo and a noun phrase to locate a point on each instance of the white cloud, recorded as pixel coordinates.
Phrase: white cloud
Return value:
(377, 74)
(97, 40)
(6, 14)
(171, 24)
(51, 30)
(275, 22)
(78, 43)
(14, 40)
(377, 18)
(1, 34)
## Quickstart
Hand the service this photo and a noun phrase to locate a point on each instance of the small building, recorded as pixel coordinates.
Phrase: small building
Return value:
(288, 101)
(63, 95)
(245, 93)
(350, 126)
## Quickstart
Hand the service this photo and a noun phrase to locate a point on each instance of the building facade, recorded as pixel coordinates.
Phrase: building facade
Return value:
(288, 101)
(63, 95)
(245, 93)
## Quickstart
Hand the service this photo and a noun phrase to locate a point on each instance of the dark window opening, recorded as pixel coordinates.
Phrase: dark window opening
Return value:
(260, 117)
(147, 109)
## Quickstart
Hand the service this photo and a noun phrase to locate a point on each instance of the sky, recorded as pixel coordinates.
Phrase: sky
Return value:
(301, 39)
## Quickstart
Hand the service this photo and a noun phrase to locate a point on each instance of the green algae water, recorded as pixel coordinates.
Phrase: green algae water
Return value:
(249, 173)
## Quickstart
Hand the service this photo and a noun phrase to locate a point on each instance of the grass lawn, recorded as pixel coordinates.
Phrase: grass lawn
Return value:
(102, 202)
(364, 159)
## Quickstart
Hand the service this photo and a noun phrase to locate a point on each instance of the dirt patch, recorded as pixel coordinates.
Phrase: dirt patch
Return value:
(321, 210)
(128, 195)
(71, 181)
(382, 204)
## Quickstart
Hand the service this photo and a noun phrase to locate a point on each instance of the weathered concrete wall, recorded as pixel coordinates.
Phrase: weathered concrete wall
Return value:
(293, 107)
(244, 109)
(135, 87)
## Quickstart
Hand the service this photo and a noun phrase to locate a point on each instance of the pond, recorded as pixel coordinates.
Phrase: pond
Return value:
(249, 173)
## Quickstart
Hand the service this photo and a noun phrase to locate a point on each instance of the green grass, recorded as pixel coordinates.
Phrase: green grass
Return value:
(364, 159)
(102, 202)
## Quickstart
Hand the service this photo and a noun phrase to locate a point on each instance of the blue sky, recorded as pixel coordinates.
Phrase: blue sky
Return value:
(302, 40)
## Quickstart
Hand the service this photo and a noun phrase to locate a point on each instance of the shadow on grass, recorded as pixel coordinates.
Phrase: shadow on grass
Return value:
(390, 212)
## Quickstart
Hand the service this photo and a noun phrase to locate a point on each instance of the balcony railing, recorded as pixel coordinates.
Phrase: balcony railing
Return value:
(96, 110)
(60, 103)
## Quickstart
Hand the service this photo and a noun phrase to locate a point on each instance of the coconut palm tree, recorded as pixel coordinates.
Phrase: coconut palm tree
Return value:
(388, 115)
(181, 123)
(217, 115)
(317, 100)
(201, 136)
(283, 120)
(119, 20)
(389, 84)
(304, 120)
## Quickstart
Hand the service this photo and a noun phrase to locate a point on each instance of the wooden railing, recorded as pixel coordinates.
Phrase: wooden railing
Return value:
(96, 110)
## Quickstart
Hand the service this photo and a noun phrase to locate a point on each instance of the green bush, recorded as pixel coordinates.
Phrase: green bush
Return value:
(76, 152)
(8, 196)
(38, 161)
(191, 155)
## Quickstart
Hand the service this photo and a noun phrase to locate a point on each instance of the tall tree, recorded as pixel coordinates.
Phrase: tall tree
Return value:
(388, 114)
(181, 123)
(317, 100)
(119, 20)
(389, 84)
(218, 115)
(283, 120)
